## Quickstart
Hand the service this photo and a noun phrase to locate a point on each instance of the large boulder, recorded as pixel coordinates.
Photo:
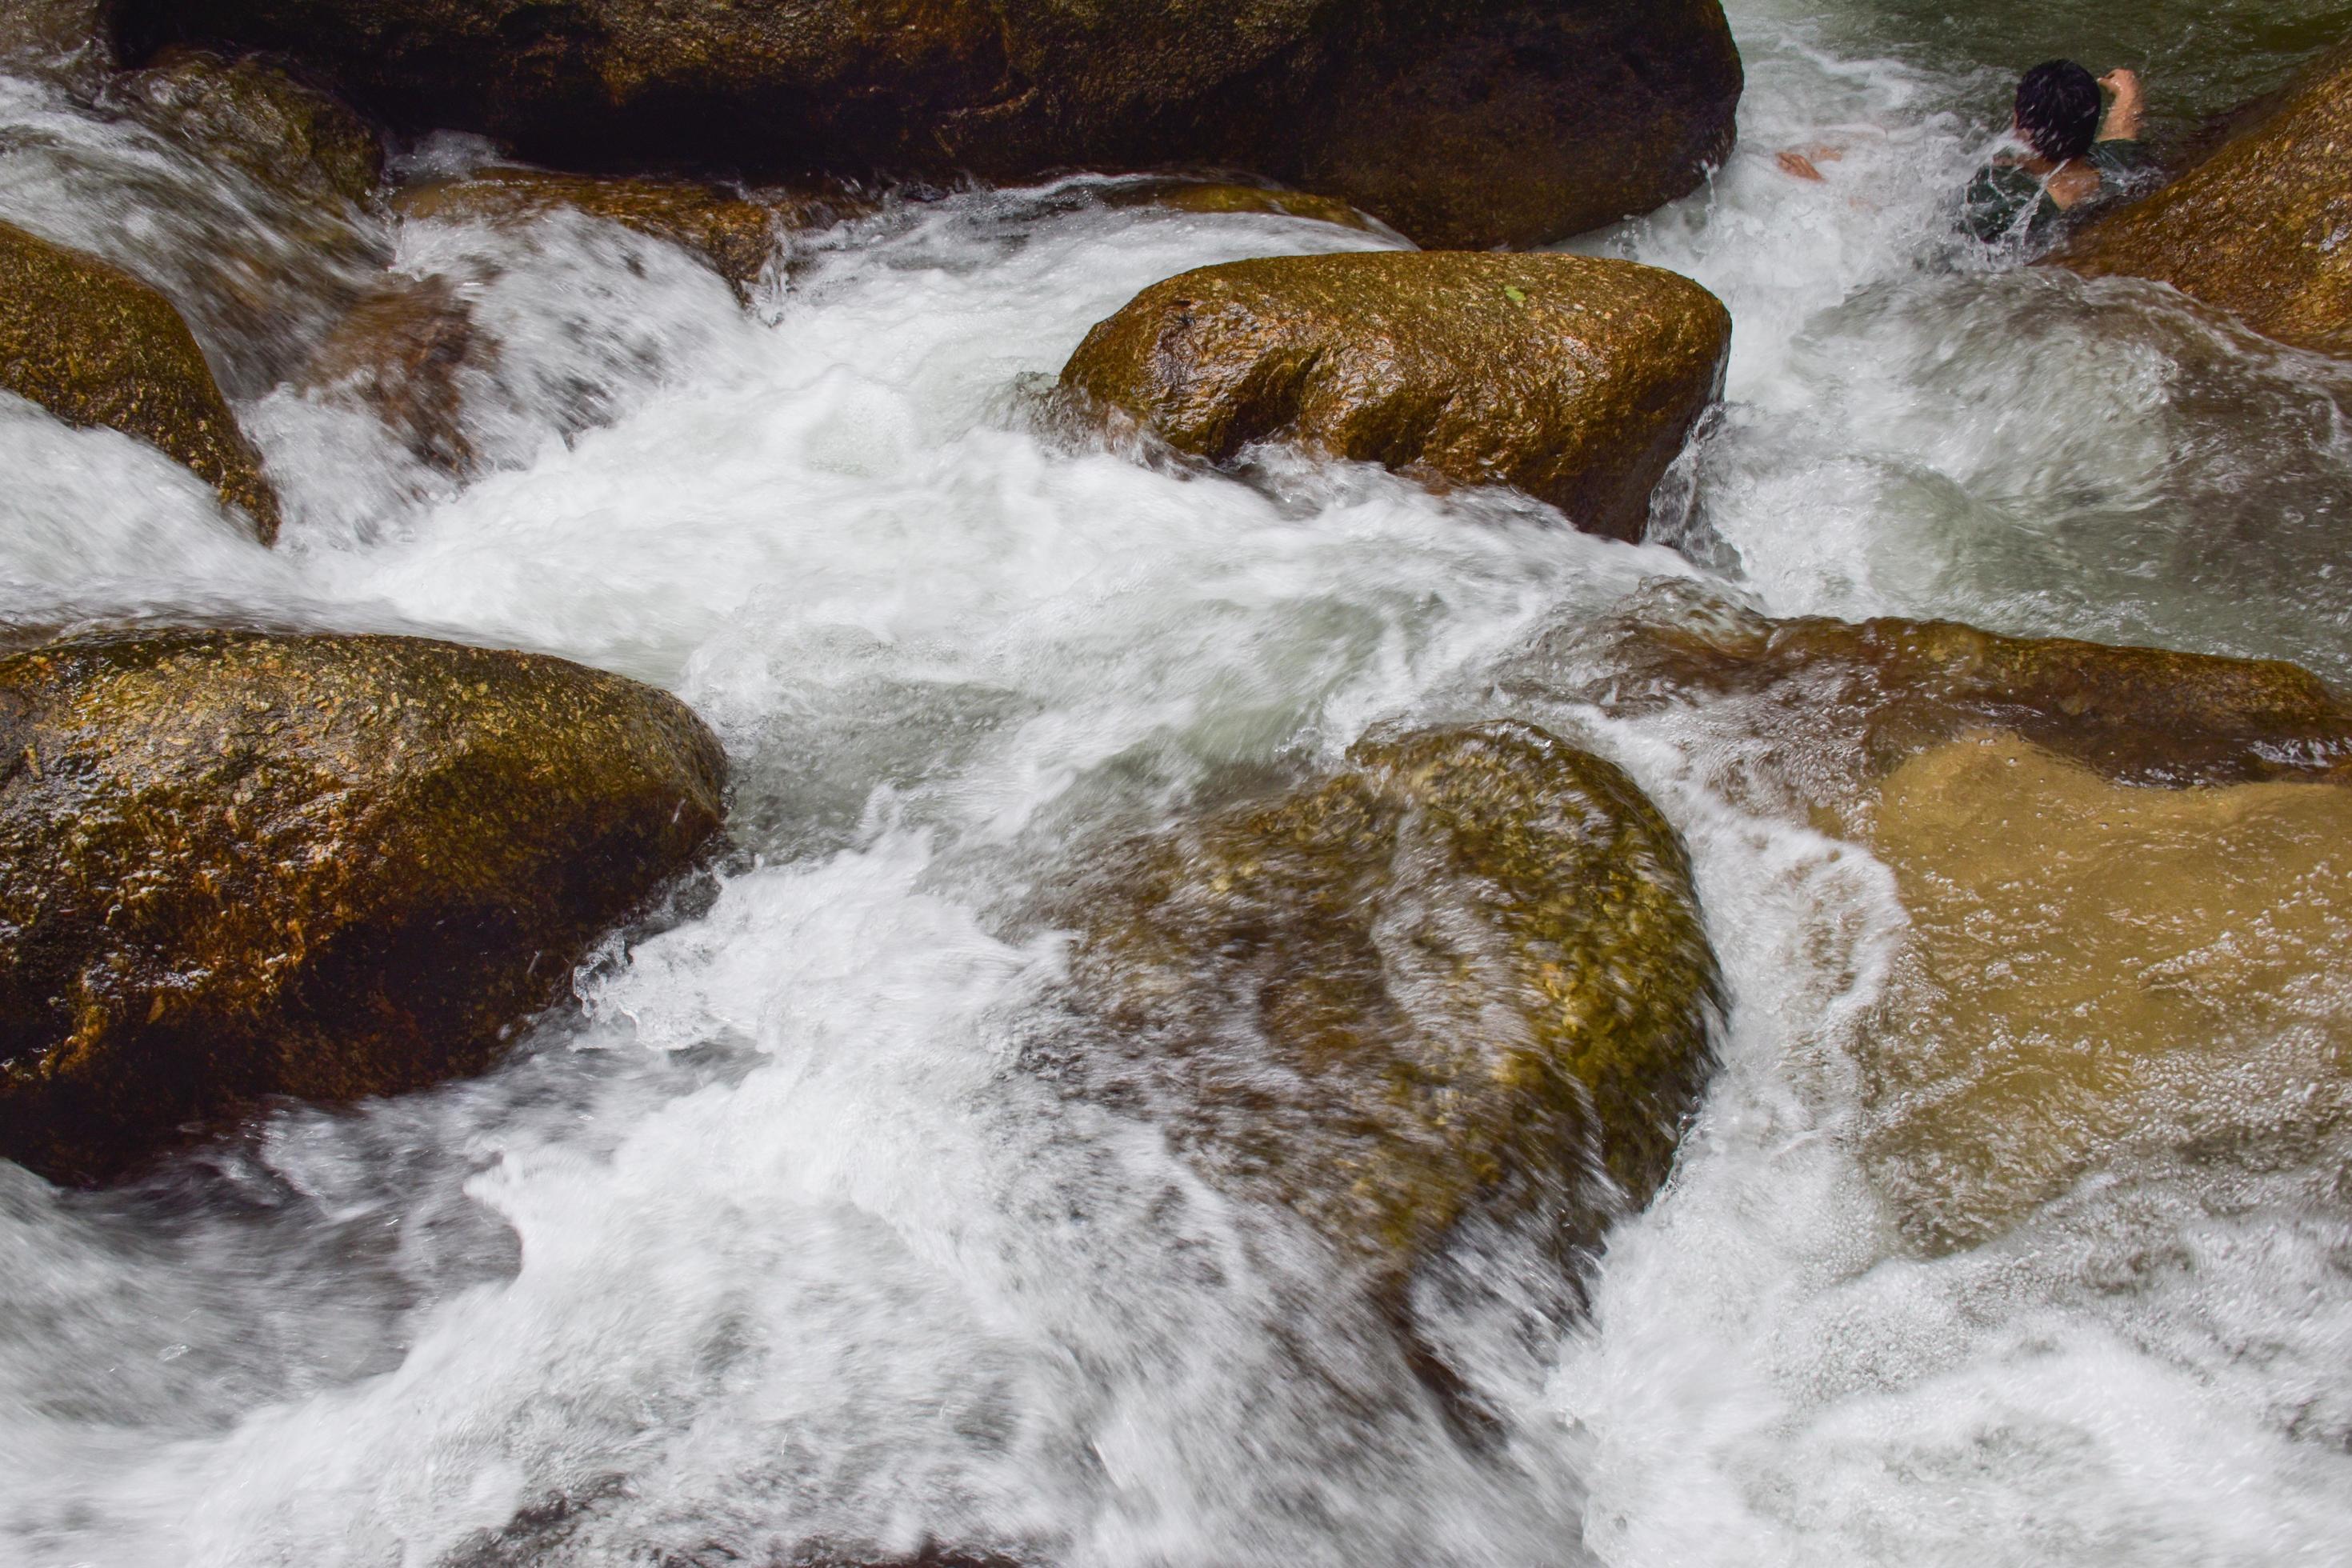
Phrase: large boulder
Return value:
(1574, 379)
(96, 346)
(289, 136)
(1463, 979)
(2261, 227)
(1468, 122)
(235, 865)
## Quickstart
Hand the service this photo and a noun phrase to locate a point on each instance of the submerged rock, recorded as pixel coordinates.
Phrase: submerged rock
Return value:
(1472, 122)
(236, 865)
(2096, 974)
(289, 136)
(736, 233)
(2261, 227)
(1573, 379)
(94, 346)
(1463, 979)
(401, 352)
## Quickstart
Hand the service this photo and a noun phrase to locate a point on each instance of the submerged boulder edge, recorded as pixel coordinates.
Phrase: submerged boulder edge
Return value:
(1572, 378)
(2260, 228)
(236, 865)
(95, 346)
(1462, 978)
(1466, 122)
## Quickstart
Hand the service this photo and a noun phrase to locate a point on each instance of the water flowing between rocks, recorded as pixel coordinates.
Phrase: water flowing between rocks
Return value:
(774, 1237)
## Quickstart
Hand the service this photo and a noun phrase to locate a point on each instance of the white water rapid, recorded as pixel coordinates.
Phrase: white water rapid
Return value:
(769, 1241)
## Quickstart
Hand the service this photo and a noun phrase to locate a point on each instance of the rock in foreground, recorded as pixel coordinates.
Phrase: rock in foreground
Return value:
(94, 346)
(1470, 122)
(235, 865)
(2098, 975)
(1466, 977)
(2263, 227)
(1573, 379)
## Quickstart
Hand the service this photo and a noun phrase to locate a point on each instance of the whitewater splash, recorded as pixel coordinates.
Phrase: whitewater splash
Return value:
(768, 1242)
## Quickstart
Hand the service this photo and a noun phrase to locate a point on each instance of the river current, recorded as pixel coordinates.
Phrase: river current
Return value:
(769, 1241)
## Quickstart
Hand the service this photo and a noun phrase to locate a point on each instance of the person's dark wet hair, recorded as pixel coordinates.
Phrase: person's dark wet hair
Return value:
(2058, 109)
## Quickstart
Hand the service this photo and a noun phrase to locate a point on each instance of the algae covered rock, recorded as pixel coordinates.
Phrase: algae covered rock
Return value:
(235, 865)
(2098, 975)
(733, 231)
(1470, 122)
(96, 346)
(1574, 379)
(287, 135)
(1465, 978)
(2261, 227)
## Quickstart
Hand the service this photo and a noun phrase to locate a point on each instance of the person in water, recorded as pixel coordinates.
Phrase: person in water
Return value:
(2077, 146)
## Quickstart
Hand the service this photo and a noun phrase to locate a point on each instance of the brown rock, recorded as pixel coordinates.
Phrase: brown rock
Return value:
(1214, 197)
(95, 346)
(1468, 122)
(235, 865)
(735, 233)
(400, 352)
(1466, 977)
(2261, 227)
(1887, 689)
(290, 137)
(2096, 975)
(1573, 379)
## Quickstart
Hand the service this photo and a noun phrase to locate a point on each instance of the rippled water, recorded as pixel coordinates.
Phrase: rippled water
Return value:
(769, 1241)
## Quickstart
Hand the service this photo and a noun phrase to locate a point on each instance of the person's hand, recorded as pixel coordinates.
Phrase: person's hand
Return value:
(2124, 84)
(1796, 165)
(2121, 120)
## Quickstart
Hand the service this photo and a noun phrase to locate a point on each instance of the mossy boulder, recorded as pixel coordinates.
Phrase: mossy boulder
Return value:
(236, 865)
(2099, 976)
(285, 133)
(94, 346)
(1574, 379)
(1469, 123)
(735, 231)
(1464, 978)
(2260, 228)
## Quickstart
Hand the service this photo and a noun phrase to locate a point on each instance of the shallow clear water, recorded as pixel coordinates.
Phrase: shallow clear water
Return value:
(769, 1240)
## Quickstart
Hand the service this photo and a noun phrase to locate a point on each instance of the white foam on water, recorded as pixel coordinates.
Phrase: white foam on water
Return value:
(774, 1239)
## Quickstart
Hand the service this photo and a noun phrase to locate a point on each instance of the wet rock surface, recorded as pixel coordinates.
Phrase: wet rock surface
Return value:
(2096, 973)
(735, 231)
(1216, 196)
(2260, 228)
(96, 346)
(401, 354)
(236, 865)
(1573, 379)
(1846, 702)
(1465, 978)
(289, 136)
(1472, 122)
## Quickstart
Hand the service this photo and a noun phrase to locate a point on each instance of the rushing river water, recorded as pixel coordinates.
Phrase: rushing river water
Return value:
(769, 1241)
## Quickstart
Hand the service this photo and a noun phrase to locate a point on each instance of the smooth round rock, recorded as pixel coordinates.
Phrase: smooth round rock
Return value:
(236, 865)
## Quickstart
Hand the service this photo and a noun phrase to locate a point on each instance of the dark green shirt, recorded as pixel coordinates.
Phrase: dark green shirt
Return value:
(2001, 194)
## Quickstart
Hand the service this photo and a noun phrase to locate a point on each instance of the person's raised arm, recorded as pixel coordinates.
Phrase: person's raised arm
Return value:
(2121, 121)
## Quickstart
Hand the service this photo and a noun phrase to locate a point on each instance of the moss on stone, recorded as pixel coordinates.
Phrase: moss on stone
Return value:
(1574, 379)
(235, 865)
(1465, 977)
(94, 346)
